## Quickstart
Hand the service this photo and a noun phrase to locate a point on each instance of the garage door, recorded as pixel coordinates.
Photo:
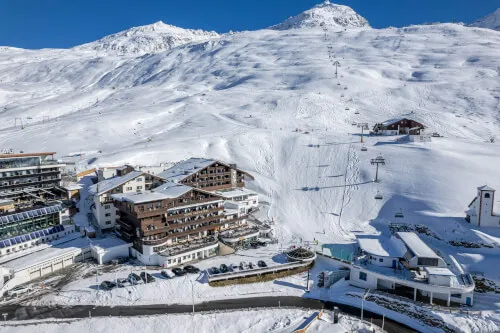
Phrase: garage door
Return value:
(68, 262)
(57, 265)
(35, 274)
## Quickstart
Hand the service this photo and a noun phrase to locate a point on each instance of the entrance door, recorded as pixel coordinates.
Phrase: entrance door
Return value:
(468, 301)
(394, 264)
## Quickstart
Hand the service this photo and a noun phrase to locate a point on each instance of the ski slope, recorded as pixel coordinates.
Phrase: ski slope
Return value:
(249, 98)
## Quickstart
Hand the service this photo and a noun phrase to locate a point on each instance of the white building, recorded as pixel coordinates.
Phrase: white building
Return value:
(102, 203)
(30, 264)
(405, 265)
(241, 199)
(481, 210)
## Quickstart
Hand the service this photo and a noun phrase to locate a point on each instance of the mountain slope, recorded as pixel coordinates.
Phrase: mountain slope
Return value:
(326, 14)
(491, 21)
(151, 38)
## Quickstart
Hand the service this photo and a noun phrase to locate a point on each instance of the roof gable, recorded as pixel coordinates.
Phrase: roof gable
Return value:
(111, 183)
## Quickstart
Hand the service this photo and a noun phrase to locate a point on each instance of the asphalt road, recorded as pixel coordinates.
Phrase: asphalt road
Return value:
(19, 312)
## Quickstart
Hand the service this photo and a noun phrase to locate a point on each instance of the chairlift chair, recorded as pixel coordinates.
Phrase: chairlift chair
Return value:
(357, 112)
(378, 196)
(364, 148)
(347, 108)
(399, 214)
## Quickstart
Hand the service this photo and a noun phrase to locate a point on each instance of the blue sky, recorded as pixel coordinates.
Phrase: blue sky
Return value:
(66, 23)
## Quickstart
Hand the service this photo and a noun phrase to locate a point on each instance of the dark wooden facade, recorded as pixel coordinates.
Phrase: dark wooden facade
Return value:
(216, 176)
(156, 222)
(405, 125)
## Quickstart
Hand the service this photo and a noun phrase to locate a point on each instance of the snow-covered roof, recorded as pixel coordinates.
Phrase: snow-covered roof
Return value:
(172, 190)
(486, 188)
(73, 186)
(111, 183)
(236, 192)
(168, 190)
(417, 245)
(185, 169)
(6, 201)
(438, 271)
(378, 246)
(391, 121)
(139, 197)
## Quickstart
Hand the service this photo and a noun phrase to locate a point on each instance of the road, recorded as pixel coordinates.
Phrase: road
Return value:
(19, 312)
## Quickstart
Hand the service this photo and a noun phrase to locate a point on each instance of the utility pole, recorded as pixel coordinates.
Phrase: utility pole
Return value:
(307, 281)
(192, 294)
(377, 161)
(336, 64)
(364, 126)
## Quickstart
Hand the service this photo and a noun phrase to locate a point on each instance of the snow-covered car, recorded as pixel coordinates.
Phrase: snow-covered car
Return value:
(166, 273)
(19, 290)
(134, 278)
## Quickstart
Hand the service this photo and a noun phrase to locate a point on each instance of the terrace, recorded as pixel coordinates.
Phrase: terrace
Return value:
(188, 246)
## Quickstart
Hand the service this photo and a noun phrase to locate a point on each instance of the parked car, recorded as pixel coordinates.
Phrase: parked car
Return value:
(134, 278)
(179, 271)
(250, 264)
(19, 290)
(254, 245)
(146, 277)
(213, 270)
(122, 282)
(261, 243)
(166, 273)
(243, 266)
(261, 263)
(223, 268)
(191, 269)
(232, 267)
(107, 285)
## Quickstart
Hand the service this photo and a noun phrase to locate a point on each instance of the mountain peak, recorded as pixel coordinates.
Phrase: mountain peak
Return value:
(491, 21)
(151, 38)
(325, 14)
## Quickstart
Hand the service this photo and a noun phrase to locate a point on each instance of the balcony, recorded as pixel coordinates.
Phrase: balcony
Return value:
(188, 246)
(164, 210)
(180, 234)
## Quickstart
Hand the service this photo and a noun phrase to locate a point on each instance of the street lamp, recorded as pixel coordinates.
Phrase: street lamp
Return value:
(192, 293)
(362, 303)
(377, 161)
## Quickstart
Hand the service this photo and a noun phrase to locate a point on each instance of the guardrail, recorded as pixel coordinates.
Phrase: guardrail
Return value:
(255, 271)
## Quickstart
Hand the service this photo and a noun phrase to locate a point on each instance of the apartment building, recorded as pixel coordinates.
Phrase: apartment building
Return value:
(174, 223)
(206, 174)
(30, 177)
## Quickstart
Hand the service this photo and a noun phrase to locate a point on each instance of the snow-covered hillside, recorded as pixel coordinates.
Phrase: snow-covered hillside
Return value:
(250, 97)
(153, 38)
(491, 21)
(325, 14)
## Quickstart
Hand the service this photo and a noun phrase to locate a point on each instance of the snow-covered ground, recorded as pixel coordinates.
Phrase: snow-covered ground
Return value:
(241, 97)
(269, 320)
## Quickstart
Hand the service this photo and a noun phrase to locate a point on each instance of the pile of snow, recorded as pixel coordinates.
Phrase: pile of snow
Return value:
(491, 21)
(152, 38)
(325, 14)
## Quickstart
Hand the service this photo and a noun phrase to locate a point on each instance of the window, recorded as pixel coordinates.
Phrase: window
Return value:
(487, 195)
(107, 214)
(138, 180)
(139, 187)
(427, 262)
(381, 260)
(106, 206)
(108, 222)
(129, 188)
(362, 276)
(456, 295)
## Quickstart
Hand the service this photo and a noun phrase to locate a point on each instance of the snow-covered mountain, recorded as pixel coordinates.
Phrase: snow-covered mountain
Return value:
(152, 38)
(327, 14)
(491, 21)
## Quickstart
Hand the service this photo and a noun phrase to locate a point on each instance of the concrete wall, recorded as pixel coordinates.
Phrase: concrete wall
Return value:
(386, 261)
(106, 255)
(371, 280)
(440, 280)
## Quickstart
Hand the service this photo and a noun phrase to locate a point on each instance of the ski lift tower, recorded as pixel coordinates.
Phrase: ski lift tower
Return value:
(336, 64)
(364, 126)
(377, 161)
